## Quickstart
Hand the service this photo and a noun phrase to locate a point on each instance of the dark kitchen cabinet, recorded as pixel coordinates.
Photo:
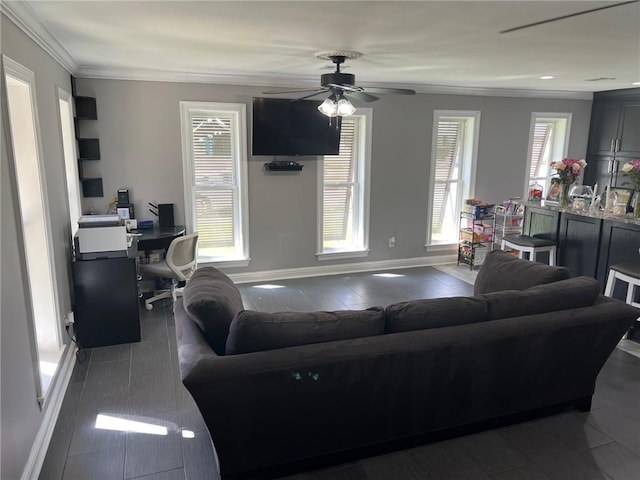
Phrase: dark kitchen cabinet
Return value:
(603, 170)
(541, 222)
(620, 244)
(613, 135)
(579, 241)
(603, 131)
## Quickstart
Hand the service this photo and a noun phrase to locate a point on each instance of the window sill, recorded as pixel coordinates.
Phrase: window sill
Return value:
(341, 255)
(442, 248)
(236, 262)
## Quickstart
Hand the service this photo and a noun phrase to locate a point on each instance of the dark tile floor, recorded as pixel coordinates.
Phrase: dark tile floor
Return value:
(126, 414)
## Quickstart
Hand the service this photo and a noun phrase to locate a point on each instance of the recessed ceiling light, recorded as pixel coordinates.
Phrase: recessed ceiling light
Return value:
(547, 77)
(636, 83)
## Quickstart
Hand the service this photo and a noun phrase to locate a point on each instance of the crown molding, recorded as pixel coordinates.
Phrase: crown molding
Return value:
(505, 92)
(148, 75)
(23, 16)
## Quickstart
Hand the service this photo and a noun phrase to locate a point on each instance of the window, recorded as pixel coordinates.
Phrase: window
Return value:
(453, 159)
(548, 142)
(215, 176)
(344, 192)
(70, 162)
(26, 152)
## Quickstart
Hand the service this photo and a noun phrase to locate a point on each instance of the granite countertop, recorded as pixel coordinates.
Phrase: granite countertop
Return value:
(627, 218)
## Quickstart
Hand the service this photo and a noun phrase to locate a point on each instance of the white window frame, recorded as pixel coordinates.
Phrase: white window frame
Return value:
(239, 145)
(361, 193)
(40, 328)
(468, 166)
(70, 159)
(559, 146)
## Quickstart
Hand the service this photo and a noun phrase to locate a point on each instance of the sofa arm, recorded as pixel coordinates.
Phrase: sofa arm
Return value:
(502, 271)
(192, 345)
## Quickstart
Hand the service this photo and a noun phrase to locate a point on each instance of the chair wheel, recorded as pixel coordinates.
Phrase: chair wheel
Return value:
(148, 306)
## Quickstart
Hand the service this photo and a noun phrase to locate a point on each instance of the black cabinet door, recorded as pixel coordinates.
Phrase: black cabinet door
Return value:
(599, 170)
(629, 130)
(605, 117)
(620, 244)
(541, 222)
(106, 302)
(578, 242)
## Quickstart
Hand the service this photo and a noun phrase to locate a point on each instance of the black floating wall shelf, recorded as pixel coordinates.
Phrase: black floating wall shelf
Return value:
(89, 148)
(92, 187)
(86, 108)
(283, 166)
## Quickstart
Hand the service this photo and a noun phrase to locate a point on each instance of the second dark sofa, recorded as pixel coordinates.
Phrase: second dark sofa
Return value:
(288, 391)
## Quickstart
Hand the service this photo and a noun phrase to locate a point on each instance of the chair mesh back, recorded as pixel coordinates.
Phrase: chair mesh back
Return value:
(181, 255)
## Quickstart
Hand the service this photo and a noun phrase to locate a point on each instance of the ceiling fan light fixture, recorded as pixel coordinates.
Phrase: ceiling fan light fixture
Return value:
(329, 107)
(344, 107)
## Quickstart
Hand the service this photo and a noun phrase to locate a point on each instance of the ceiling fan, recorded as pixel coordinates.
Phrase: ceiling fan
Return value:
(341, 86)
(562, 17)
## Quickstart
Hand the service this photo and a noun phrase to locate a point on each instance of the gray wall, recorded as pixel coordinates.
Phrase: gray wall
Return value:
(21, 416)
(139, 129)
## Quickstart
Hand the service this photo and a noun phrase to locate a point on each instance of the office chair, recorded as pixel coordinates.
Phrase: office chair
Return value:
(179, 263)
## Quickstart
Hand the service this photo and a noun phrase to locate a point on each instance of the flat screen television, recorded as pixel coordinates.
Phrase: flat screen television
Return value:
(285, 127)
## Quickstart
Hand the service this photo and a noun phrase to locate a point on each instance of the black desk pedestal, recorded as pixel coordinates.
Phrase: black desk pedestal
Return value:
(106, 302)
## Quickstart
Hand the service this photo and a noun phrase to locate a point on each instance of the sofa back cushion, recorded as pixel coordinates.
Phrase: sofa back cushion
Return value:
(434, 313)
(503, 271)
(572, 293)
(212, 301)
(257, 331)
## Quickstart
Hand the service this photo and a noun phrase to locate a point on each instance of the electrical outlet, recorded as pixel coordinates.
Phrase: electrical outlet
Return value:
(392, 242)
(69, 320)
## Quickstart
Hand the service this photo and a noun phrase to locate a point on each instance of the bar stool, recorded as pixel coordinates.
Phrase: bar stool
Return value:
(530, 245)
(627, 272)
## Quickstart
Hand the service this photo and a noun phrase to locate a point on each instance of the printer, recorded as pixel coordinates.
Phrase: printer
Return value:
(103, 236)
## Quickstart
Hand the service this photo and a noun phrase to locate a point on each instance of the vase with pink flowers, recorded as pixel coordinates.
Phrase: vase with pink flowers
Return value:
(568, 172)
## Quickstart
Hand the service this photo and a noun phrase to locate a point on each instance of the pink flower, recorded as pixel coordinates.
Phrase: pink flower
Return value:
(568, 169)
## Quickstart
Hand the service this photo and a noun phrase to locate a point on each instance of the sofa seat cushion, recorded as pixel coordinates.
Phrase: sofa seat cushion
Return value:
(572, 293)
(212, 301)
(253, 331)
(503, 271)
(434, 313)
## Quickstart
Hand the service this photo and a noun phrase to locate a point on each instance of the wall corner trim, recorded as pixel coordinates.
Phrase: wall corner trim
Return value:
(50, 417)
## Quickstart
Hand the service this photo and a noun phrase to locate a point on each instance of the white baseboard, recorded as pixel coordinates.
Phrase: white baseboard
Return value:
(342, 268)
(52, 405)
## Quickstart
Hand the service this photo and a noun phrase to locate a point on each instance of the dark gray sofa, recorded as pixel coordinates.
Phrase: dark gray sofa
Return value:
(397, 375)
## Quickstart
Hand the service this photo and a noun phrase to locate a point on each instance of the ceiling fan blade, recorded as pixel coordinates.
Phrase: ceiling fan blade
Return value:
(401, 91)
(344, 88)
(324, 90)
(567, 16)
(362, 96)
(294, 90)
